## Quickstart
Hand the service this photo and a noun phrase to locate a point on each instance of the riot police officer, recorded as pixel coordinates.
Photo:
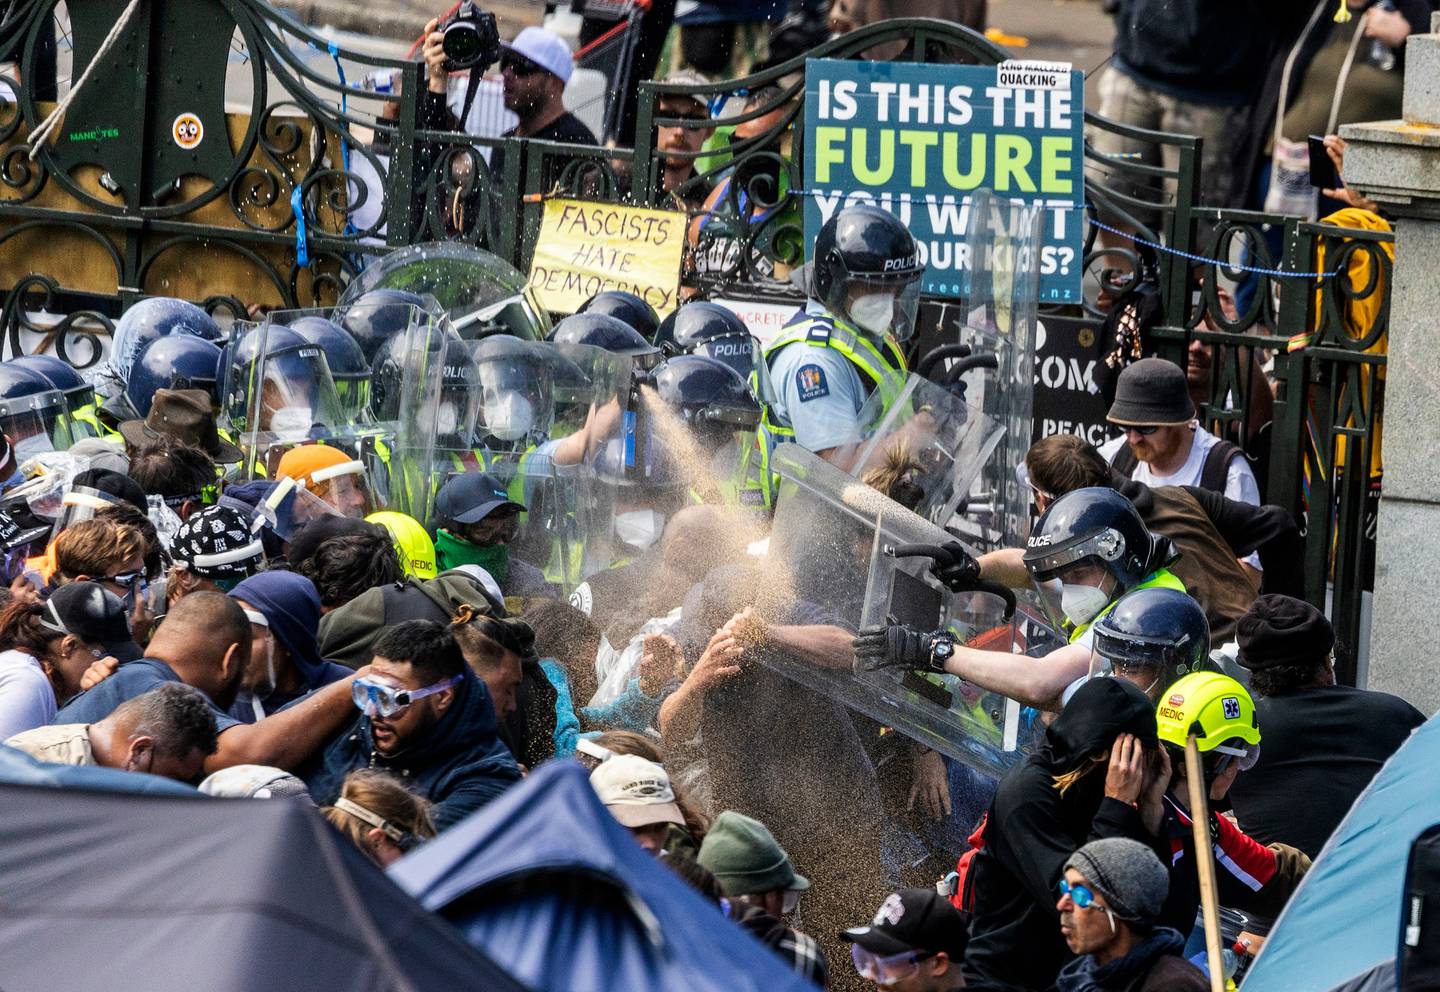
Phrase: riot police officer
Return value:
(819, 371)
(1088, 549)
(1151, 637)
(348, 365)
(79, 394)
(625, 307)
(175, 362)
(703, 328)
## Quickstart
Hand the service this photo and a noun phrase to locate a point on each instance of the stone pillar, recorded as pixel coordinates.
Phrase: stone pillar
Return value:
(1397, 164)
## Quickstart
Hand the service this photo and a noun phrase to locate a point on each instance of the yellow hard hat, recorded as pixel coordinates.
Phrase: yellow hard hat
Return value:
(1214, 707)
(412, 543)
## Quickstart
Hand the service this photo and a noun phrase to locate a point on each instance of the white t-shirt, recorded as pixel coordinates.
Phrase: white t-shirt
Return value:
(1240, 484)
(27, 700)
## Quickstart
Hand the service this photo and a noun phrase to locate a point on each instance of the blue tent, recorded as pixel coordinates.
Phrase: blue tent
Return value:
(546, 882)
(1341, 929)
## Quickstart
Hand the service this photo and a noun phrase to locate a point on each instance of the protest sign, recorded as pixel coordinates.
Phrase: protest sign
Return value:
(919, 139)
(585, 248)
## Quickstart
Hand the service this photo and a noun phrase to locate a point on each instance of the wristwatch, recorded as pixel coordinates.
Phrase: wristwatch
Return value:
(940, 652)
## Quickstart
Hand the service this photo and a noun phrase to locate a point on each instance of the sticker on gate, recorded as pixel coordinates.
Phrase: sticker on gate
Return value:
(187, 131)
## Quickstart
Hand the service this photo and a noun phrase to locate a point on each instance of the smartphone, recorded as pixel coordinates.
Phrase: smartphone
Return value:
(1322, 170)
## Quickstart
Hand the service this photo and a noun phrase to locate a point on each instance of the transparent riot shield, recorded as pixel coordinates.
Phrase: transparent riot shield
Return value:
(517, 391)
(925, 446)
(592, 393)
(481, 293)
(989, 352)
(829, 548)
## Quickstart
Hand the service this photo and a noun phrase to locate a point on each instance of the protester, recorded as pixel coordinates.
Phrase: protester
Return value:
(308, 539)
(181, 474)
(425, 717)
(570, 638)
(1324, 742)
(187, 415)
(205, 643)
(637, 793)
(763, 888)
(1092, 777)
(285, 664)
(381, 815)
(344, 568)
(331, 475)
(101, 551)
(477, 523)
(681, 145)
(212, 551)
(915, 943)
(168, 731)
(1110, 901)
(46, 648)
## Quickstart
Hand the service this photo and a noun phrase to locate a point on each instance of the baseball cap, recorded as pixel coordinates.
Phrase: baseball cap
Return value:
(637, 792)
(545, 49)
(912, 920)
(470, 498)
(686, 77)
(94, 614)
(217, 544)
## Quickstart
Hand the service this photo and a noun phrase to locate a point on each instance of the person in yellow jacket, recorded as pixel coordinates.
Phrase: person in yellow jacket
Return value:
(1088, 549)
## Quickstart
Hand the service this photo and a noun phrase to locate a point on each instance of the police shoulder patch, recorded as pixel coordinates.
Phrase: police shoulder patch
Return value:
(810, 381)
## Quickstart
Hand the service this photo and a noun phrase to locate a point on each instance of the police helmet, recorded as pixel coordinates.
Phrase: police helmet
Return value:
(609, 334)
(158, 317)
(30, 406)
(704, 328)
(1160, 629)
(378, 316)
(348, 365)
(458, 379)
(62, 376)
(865, 246)
(1095, 526)
(516, 386)
(711, 396)
(176, 362)
(625, 307)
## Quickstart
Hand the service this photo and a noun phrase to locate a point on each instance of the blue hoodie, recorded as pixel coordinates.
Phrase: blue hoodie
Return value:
(292, 606)
(459, 765)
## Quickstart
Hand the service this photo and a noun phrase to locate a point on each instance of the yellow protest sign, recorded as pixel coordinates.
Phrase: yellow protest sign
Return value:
(585, 248)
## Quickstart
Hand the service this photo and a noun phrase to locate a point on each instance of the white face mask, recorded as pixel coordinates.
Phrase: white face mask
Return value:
(509, 417)
(1080, 603)
(874, 312)
(447, 419)
(292, 420)
(639, 528)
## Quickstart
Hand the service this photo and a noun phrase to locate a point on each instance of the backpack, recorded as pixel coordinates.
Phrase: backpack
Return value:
(1212, 475)
(1418, 958)
(960, 890)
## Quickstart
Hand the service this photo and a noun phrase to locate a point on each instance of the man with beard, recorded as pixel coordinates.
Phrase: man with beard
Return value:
(681, 145)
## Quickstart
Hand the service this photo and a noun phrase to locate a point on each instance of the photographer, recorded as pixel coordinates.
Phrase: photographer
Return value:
(535, 68)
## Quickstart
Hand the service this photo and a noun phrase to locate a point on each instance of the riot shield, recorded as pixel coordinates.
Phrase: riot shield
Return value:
(433, 394)
(828, 547)
(924, 446)
(481, 293)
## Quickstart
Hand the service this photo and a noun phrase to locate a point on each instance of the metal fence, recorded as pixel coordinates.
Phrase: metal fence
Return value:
(330, 161)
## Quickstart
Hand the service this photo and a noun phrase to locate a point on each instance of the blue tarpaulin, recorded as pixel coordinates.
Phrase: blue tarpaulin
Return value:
(546, 882)
(1341, 929)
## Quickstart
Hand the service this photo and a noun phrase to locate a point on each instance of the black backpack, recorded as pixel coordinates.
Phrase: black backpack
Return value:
(1419, 955)
(1212, 474)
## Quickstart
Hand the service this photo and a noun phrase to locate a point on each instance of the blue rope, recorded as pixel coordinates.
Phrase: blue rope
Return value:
(1257, 270)
(302, 246)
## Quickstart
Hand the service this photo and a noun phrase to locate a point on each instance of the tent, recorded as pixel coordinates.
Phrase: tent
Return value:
(153, 893)
(560, 894)
(1341, 929)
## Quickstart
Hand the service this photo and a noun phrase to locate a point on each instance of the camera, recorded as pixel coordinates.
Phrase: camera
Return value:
(472, 39)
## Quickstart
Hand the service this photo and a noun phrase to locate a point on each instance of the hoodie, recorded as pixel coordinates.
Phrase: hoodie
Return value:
(1032, 829)
(292, 606)
(459, 764)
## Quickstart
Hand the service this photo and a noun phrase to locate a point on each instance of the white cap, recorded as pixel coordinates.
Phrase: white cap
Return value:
(637, 792)
(546, 49)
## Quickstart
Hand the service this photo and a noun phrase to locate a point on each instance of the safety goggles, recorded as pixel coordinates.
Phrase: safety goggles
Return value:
(1228, 755)
(125, 580)
(889, 969)
(373, 698)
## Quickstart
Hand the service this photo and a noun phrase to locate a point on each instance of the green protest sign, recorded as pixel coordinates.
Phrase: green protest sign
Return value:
(918, 140)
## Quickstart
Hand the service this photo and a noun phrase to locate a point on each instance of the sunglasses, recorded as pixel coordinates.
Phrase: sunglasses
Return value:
(1081, 896)
(519, 67)
(125, 580)
(1145, 431)
(373, 698)
(887, 970)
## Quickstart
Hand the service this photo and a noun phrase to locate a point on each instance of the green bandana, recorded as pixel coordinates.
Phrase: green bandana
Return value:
(452, 551)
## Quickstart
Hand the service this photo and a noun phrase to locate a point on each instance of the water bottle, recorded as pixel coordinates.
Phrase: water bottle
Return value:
(1382, 56)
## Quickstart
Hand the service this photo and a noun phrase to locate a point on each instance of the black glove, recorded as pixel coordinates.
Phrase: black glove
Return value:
(898, 646)
(956, 568)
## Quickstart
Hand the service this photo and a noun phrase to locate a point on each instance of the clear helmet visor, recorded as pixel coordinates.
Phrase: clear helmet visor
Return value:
(883, 306)
(37, 423)
(349, 494)
(1075, 595)
(290, 507)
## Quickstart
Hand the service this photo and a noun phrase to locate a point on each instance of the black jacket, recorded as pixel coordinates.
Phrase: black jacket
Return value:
(459, 766)
(1032, 830)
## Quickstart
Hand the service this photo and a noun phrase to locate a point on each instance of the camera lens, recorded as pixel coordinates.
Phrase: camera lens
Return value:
(462, 44)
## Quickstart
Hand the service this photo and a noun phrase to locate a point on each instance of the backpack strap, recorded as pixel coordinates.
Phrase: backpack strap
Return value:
(1217, 465)
(1124, 461)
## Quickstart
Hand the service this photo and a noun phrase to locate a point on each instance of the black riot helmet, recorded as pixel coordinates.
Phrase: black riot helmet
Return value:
(459, 387)
(1152, 637)
(862, 255)
(609, 334)
(713, 399)
(626, 308)
(709, 329)
(378, 316)
(64, 377)
(1095, 526)
(348, 365)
